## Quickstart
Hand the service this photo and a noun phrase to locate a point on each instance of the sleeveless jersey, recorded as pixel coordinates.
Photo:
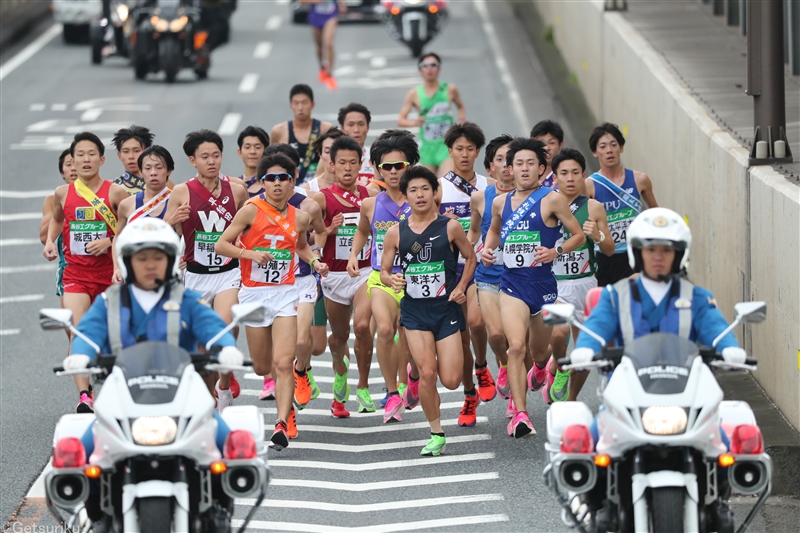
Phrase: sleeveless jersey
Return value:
(249, 182)
(437, 113)
(457, 200)
(488, 274)
(206, 222)
(313, 185)
(520, 244)
(386, 214)
(337, 247)
(266, 235)
(308, 157)
(428, 261)
(549, 181)
(365, 174)
(140, 202)
(132, 184)
(83, 224)
(581, 263)
(619, 214)
(301, 268)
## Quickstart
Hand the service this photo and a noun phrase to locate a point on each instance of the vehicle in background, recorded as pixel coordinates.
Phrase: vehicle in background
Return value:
(76, 15)
(357, 10)
(110, 31)
(414, 23)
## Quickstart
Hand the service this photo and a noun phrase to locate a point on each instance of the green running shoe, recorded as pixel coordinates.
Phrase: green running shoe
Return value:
(396, 338)
(314, 389)
(341, 389)
(435, 446)
(365, 404)
(401, 388)
(559, 391)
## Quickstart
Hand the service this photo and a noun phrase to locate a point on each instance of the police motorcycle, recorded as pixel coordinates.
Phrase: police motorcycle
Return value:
(156, 466)
(661, 463)
(109, 33)
(414, 23)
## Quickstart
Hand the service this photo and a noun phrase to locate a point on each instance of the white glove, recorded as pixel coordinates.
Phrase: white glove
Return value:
(732, 354)
(76, 362)
(581, 356)
(230, 356)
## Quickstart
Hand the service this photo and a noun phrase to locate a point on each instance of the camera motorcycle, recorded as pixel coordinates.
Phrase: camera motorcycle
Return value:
(414, 23)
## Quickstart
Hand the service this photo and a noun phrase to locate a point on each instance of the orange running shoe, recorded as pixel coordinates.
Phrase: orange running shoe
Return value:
(236, 389)
(302, 388)
(467, 417)
(323, 75)
(331, 82)
(486, 386)
(291, 424)
(279, 438)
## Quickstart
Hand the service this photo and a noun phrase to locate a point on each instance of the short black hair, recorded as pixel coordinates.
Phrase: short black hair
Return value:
(301, 88)
(418, 171)
(276, 159)
(353, 107)
(253, 131)
(494, 145)
(87, 136)
(333, 133)
(403, 142)
(286, 149)
(568, 154)
(140, 133)
(607, 128)
(61, 159)
(469, 130)
(543, 127)
(434, 55)
(344, 143)
(196, 138)
(526, 143)
(159, 152)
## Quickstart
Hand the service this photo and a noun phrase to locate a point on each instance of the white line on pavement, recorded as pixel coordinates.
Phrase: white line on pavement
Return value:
(29, 51)
(37, 107)
(386, 428)
(5, 332)
(382, 465)
(249, 83)
(326, 412)
(229, 124)
(58, 107)
(360, 448)
(22, 298)
(37, 490)
(274, 22)
(373, 507)
(92, 114)
(377, 62)
(25, 194)
(502, 65)
(380, 485)
(262, 50)
(20, 216)
(19, 242)
(429, 525)
(26, 269)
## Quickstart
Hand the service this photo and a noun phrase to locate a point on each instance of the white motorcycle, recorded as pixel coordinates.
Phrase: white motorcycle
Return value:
(156, 466)
(670, 450)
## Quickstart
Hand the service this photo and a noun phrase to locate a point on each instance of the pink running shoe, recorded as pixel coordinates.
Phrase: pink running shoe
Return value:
(521, 426)
(503, 388)
(85, 405)
(393, 412)
(269, 389)
(411, 394)
(537, 377)
(511, 410)
(549, 379)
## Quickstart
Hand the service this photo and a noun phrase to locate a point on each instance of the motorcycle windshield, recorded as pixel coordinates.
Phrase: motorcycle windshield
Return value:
(662, 362)
(153, 371)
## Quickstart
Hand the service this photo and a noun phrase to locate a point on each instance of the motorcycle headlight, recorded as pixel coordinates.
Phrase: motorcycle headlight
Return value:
(178, 24)
(664, 420)
(161, 25)
(154, 430)
(122, 12)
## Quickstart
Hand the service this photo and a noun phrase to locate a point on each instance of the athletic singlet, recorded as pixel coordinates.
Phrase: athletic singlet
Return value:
(249, 182)
(437, 113)
(581, 263)
(428, 261)
(132, 184)
(457, 200)
(337, 247)
(301, 268)
(83, 224)
(619, 214)
(277, 237)
(487, 274)
(550, 182)
(366, 173)
(309, 159)
(207, 220)
(140, 203)
(387, 214)
(313, 185)
(520, 244)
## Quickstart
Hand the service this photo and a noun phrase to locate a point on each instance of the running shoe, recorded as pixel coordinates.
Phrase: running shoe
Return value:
(322, 76)
(269, 389)
(280, 437)
(85, 404)
(503, 388)
(537, 377)
(224, 398)
(341, 389)
(547, 384)
(385, 397)
(559, 391)
(521, 426)
(291, 424)
(486, 386)
(393, 412)
(467, 417)
(401, 388)
(314, 388)
(511, 410)
(411, 394)
(365, 403)
(302, 389)
(331, 83)
(338, 410)
(236, 389)
(435, 447)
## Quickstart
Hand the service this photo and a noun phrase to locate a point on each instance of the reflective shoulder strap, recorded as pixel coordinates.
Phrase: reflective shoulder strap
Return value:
(685, 313)
(114, 306)
(174, 315)
(623, 289)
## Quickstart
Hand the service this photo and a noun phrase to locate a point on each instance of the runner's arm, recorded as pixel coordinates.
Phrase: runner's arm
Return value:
(122, 220)
(458, 237)
(474, 234)
(560, 209)
(170, 185)
(645, 187)
(597, 214)
(493, 235)
(178, 207)
(409, 103)
(317, 222)
(324, 127)
(588, 188)
(56, 223)
(390, 243)
(279, 131)
(455, 97)
(241, 222)
(240, 195)
(47, 214)
(362, 234)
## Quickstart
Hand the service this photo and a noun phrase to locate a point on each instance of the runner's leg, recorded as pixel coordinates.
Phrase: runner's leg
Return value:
(78, 303)
(362, 314)
(423, 349)
(385, 311)
(477, 328)
(305, 315)
(283, 338)
(328, 35)
(490, 311)
(576, 379)
(339, 320)
(316, 33)
(222, 305)
(515, 314)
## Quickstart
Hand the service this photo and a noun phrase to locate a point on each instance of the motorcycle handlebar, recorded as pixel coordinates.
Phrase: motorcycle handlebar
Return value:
(198, 359)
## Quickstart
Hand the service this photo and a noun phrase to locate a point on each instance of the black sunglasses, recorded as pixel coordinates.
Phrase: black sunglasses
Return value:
(396, 165)
(280, 176)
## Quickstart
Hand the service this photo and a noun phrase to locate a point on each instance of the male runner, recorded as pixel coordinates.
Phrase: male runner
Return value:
(377, 185)
(621, 191)
(323, 19)
(84, 214)
(322, 149)
(428, 245)
(302, 131)
(273, 238)
(391, 156)
(551, 134)
(432, 100)
(346, 295)
(66, 167)
(130, 143)
(354, 121)
(252, 142)
(464, 142)
(526, 224)
(574, 271)
(202, 208)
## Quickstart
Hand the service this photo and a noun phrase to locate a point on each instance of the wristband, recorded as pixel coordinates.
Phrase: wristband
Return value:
(602, 237)
(241, 252)
(311, 263)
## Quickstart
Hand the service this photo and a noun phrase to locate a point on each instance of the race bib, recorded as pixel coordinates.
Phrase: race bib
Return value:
(276, 271)
(435, 131)
(379, 237)
(344, 243)
(618, 222)
(465, 223)
(519, 248)
(425, 280)
(204, 253)
(573, 264)
(82, 234)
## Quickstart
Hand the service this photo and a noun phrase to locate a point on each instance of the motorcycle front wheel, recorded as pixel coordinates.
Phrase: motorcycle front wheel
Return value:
(170, 55)
(155, 515)
(666, 509)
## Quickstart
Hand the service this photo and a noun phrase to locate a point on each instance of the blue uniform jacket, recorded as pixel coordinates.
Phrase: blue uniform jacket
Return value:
(707, 320)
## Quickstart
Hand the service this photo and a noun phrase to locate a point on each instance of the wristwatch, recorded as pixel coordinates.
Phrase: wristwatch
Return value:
(560, 250)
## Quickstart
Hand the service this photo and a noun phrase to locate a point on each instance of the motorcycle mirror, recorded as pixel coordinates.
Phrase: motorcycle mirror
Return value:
(248, 314)
(557, 314)
(53, 319)
(751, 312)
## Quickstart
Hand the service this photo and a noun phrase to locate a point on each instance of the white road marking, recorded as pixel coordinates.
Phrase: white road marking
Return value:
(502, 65)
(392, 52)
(90, 115)
(377, 62)
(375, 83)
(282, 1)
(19, 242)
(58, 107)
(274, 22)
(380, 485)
(249, 83)
(21, 298)
(25, 194)
(374, 507)
(5, 332)
(382, 465)
(360, 448)
(230, 124)
(354, 414)
(262, 50)
(385, 428)
(19, 216)
(37, 490)
(29, 51)
(429, 525)
(37, 107)
(26, 269)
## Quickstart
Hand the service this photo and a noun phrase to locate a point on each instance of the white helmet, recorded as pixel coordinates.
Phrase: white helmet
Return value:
(142, 234)
(659, 226)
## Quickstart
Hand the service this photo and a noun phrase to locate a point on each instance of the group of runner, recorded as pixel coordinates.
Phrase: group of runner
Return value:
(429, 260)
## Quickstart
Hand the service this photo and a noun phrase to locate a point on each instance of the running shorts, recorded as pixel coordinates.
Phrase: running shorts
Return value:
(78, 281)
(320, 314)
(341, 288)
(280, 300)
(209, 285)
(612, 269)
(374, 282)
(574, 291)
(534, 293)
(439, 316)
(433, 153)
(318, 20)
(306, 289)
(492, 288)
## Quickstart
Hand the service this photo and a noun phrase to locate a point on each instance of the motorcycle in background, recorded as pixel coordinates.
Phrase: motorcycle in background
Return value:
(414, 23)
(110, 31)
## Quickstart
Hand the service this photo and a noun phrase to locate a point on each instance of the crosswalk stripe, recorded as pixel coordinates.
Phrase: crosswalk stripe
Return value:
(353, 414)
(360, 448)
(381, 485)
(373, 507)
(386, 428)
(382, 528)
(381, 465)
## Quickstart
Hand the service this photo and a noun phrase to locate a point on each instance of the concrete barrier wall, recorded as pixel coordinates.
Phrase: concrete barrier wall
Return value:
(744, 221)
